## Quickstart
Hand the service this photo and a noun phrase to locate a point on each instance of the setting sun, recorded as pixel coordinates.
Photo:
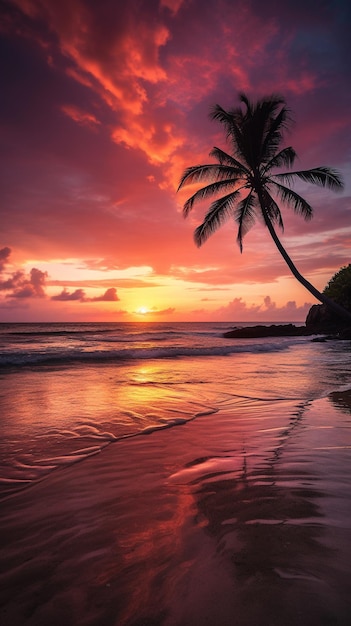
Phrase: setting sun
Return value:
(142, 310)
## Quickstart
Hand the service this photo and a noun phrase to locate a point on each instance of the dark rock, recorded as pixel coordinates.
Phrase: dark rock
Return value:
(320, 319)
(275, 330)
(323, 338)
(345, 333)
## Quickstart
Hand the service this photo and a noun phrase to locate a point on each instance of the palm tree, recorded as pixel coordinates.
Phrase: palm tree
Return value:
(248, 182)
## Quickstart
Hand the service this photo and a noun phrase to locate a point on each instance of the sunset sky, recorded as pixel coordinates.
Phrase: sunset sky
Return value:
(104, 103)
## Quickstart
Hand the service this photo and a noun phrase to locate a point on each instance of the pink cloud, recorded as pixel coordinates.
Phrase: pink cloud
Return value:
(79, 295)
(66, 296)
(22, 286)
(110, 295)
(239, 311)
(4, 257)
(18, 284)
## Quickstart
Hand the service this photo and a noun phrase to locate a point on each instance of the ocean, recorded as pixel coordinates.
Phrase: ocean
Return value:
(68, 390)
(162, 474)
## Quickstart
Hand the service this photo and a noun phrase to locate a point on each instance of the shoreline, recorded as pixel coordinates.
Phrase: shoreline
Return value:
(238, 515)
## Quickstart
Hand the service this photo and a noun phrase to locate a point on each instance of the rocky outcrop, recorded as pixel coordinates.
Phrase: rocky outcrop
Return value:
(275, 330)
(320, 319)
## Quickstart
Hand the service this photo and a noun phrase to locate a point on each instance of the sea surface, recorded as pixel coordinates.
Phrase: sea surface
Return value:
(69, 390)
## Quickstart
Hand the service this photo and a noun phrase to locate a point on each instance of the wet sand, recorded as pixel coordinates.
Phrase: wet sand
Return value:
(242, 518)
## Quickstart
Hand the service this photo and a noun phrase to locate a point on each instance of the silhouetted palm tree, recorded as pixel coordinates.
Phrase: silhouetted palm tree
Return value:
(247, 178)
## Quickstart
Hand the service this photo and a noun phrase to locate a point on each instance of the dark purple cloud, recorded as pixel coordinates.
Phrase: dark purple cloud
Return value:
(4, 257)
(22, 286)
(79, 295)
(66, 296)
(17, 284)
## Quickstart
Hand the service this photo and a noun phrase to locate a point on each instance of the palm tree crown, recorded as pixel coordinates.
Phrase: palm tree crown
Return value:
(246, 183)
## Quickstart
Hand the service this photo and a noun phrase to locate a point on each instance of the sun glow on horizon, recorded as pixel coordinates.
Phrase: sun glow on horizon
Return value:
(142, 310)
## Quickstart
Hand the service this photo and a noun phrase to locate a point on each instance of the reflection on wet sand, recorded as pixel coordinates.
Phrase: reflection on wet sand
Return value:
(241, 520)
(268, 524)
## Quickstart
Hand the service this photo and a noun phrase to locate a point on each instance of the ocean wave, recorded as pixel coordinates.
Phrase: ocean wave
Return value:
(12, 332)
(65, 357)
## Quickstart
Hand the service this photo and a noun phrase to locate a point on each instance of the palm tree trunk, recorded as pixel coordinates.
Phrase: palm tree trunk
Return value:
(336, 308)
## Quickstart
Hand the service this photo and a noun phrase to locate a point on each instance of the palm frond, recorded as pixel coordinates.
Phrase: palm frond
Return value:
(233, 123)
(290, 197)
(245, 217)
(224, 117)
(322, 176)
(275, 130)
(206, 192)
(266, 107)
(211, 171)
(271, 104)
(249, 106)
(285, 157)
(219, 211)
(227, 159)
(253, 131)
(262, 128)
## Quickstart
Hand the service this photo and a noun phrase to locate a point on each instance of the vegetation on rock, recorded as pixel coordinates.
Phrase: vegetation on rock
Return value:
(339, 287)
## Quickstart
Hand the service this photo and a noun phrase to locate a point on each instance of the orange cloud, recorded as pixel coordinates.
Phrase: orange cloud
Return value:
(80, 116)
(159, 142)
(162, 312)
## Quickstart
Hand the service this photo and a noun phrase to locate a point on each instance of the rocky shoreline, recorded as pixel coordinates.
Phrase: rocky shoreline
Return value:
(287, 330)
(320, 323)
(274, 330)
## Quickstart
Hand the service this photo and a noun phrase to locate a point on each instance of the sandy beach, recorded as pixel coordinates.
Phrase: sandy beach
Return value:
(245, 522)
(175, 313)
